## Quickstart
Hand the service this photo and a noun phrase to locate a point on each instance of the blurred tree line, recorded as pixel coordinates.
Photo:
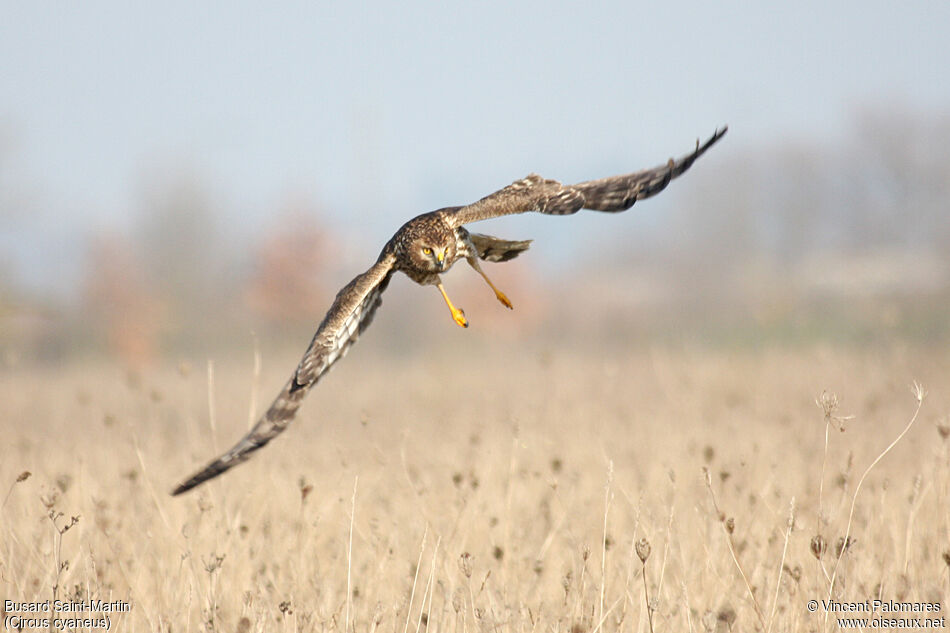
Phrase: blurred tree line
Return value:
(179, 283)
(855, 227)
(847, 239)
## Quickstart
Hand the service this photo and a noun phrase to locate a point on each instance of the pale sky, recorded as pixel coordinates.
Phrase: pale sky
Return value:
(383, 110)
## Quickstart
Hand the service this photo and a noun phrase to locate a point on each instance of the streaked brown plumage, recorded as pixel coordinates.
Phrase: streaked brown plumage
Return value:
(425, 247)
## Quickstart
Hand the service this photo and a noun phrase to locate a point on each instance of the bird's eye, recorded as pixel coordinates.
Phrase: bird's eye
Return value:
(427, 250)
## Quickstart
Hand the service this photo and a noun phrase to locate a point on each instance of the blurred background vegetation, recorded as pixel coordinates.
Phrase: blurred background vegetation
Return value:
(176, 180)
(785, 243)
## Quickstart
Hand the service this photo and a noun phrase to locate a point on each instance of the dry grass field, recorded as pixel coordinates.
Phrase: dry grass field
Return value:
(517, 494)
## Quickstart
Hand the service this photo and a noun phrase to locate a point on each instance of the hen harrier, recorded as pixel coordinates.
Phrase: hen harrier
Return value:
(424, 247)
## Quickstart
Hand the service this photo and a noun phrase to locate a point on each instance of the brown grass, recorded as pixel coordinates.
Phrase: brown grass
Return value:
(481, 502)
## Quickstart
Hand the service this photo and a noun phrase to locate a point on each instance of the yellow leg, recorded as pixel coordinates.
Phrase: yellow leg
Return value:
(457, 314)
(498, 293)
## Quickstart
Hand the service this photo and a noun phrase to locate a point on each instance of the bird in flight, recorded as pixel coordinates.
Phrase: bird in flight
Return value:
(424, 248)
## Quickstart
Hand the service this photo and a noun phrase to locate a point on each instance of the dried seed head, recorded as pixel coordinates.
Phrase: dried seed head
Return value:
(465, 564)
(943, 427)
(827, 402)
(567, 581)
(643, 550)
(915, 491)
(946, 557)
(795, 573)
(213, 563)
(708, 453)
(305, 489)
(727, 615)
(23, 476)
(458, 600)
(64, 481)
(50, 500)
(843, 545)
(585, 553)
(498, 553)
(818, 546)
(730, 525)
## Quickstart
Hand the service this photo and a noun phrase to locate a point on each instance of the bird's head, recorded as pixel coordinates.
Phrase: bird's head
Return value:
(433, 253)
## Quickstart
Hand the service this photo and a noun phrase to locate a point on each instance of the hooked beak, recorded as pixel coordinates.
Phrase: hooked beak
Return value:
(440, 255)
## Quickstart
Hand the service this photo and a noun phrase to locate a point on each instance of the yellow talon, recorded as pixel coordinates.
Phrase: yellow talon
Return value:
(457, 314)
(504, 300)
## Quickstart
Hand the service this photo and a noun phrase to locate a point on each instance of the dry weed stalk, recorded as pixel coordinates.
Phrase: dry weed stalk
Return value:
(465, 566)
(20, 478)
(689, 619)
(212, 415)
(781, 565)
(626, 585)
(666, 549)
(349, 558)
(429, 589)
(603, 542)
(643, 553)
(148, 480)
(846, 541)
(61, 565)
(828, 402)
(579, 596)
(728, 527)
(212, 565)
(415, 578)
(255, 383)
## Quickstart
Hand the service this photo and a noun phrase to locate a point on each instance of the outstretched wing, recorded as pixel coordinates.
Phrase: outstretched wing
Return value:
(616, 193)
(351, 313)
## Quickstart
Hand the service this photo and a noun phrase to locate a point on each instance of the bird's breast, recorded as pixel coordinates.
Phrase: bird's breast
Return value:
(422, 277)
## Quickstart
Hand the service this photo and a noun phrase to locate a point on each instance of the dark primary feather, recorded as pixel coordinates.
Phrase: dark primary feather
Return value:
(493, 249)
(616, 193)
(351, 313)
